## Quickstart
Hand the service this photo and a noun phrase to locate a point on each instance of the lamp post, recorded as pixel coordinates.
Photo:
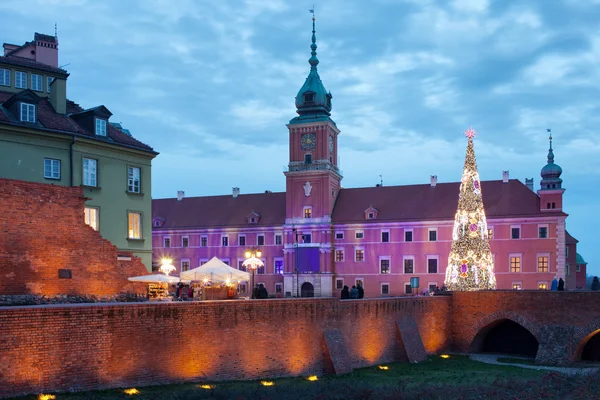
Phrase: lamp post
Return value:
(296, 264)
(253, 262)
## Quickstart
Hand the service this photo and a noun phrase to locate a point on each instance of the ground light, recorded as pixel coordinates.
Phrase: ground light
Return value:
(313, 378)
(131, 392)
(445, 356)
(207, 387)
(46, 397)
(384, 367)
(267, 383)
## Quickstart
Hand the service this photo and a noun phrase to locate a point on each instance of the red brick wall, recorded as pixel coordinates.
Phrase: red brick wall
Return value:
(76, 347)
(42, 230)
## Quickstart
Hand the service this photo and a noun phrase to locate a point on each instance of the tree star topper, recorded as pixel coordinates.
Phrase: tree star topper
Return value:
(470, 133)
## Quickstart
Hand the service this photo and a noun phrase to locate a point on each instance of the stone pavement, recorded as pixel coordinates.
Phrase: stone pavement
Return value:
(493, 359)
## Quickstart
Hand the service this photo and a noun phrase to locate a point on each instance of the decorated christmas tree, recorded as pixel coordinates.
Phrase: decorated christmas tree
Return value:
(470, 264)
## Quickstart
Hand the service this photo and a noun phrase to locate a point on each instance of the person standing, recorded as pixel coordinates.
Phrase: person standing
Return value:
(345, 293)
(354, 293)
(554, 285)
(361, 291)
(561, 285)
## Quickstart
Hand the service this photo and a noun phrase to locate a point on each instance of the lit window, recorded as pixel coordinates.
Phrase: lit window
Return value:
(224, 241)
(542, 264)
(517, 286)
(359, 235)
(307, 212)
(260, 270)
(260, 240)
(36, 82)
(133, 179)
(409, 266)
(91, 216)
(542, 232)
(278, 240)
(4, 77)
(100, 127)
(542, 286)
(185, 241)
(385, 288)
(384, 266)
(408, 236)
(185, 265)
(51, 168)
(27, 112)
(385, 236)
(433, 235)
(515, 233)
(89, 172)
(278, 267)
(359, 255)
(490, 233)
(21, 80)
(166, 242)
(135, 225)
(49, 81)
(515, 264)
(432, 266)
(339, 255)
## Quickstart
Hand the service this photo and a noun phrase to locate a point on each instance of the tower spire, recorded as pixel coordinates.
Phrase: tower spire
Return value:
(550, 152)
(313, 61)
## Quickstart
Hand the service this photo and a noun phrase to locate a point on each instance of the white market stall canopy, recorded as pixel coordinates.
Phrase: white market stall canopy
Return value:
(215, 271)
(155, 278)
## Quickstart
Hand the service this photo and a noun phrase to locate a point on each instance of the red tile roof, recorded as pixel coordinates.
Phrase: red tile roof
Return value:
(394, 203)
(27, 63)
(570, 239)
(50, 119)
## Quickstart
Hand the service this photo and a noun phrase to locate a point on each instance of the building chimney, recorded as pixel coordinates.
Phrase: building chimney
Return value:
(433, 180)
(235, 191)
(504, 176)
(529, 184)
(180, 195)
(58, 95)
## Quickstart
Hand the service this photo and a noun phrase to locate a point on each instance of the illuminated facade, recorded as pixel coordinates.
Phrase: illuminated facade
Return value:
(317, 237)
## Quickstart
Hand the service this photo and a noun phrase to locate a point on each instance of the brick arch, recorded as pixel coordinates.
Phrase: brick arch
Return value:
(485, 324)
(583, 335)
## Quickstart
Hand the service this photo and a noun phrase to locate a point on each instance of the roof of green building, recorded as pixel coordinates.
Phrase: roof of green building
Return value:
(580, 259)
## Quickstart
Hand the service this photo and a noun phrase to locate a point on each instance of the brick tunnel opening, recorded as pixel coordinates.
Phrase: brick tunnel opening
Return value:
(507, 337)
(591, 350)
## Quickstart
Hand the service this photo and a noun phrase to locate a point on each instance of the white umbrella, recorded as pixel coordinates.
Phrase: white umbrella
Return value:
(155, 278)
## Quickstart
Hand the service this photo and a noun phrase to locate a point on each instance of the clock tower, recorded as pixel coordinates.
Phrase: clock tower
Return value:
(312, 184)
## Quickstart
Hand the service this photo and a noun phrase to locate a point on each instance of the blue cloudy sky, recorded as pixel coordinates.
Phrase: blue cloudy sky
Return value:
(211, 85)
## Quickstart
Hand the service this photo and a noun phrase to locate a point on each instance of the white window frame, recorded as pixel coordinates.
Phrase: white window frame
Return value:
(547, 231)
(520, 257)
(412, 235)
(408, 257)
(433, 257)
(275, 259)
(359, 232)
(87, 176)
(263, 236)
(37, 82)
(240, 261)
(280, 235)
(54, 165)
(27, 113)
(389, 235)
(363, 253)
(227, 260)
(339, 233)
(202, 260)
(132, 179)
(343, 255)
(537, 265)
(264, 267)
(381, 285)
(305, 209)
(21, 79)
(188, 241)
(240, 236)
(577, 267)
(100, 127)
(49, 80)
(336, 283)
(134, 232)
(87, 217)
(543, 283)
(4, 77)
(280, 285)
(187, 260)
(361, 280)
(411, 289)
(165, 238)
(389, 259)
(432, 284)
(222, 237)
(520, 232)
(429, 230)
(519, 283)
(203, 237)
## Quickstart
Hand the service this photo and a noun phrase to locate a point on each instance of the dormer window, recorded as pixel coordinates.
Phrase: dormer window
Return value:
(371, 212)
(253, 217)
(309, 97)
(28, 112)
(100, 127)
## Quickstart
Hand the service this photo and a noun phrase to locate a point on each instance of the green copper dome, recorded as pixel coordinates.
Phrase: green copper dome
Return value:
(580, 259)
(313, 102)
(551, 172)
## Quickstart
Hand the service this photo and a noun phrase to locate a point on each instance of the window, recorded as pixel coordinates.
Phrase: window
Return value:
(339, 255)
(515, 264)
(543, 285)
(167, 242)
(157, 224)
(384, 266)
(278, 266)
(4, 77)
(100, 127)
(36, 83)
(89, 172)
(309, 97)
(542, 263)
(385, 236)
(359, 235)
(517, 286)
(185, 265)
(542, 232)
(92, 217)
(226, 261)
(307, 212)
(21, 80)
(490, 233)
(567, 252)
(359, 281)
(339, 284)
(241, 240)
(409, 266)
(278, 240)
(432, 287)
(432, 265)
(260, 240)
(261, 270)
(567, 269)
(64, 274)
(28, 112)
(385, 288)
(185, 241)
(433, 235)
(339, 235)
(578, 268)
(553, 205)
(278, 288)
(241, 266)
(49, 81)
(135, 225)
(407, 288)
(308, 159)
(306, 238)
(51, 168)
(242, 288)
(224, 241)
(133, 179)
(515, 232)
(359, 255)
(203, 261)
(408, 236)
(204, 241)
(371, 215)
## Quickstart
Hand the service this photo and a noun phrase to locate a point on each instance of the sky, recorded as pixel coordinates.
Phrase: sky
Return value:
(210, 85)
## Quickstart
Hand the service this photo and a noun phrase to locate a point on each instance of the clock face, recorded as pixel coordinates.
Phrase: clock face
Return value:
(331, 144)
(309, 141)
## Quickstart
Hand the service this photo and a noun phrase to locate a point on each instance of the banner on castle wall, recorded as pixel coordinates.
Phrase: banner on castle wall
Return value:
(308, 259)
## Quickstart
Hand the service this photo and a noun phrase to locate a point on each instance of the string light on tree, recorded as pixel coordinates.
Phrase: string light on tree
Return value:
(470, 263)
